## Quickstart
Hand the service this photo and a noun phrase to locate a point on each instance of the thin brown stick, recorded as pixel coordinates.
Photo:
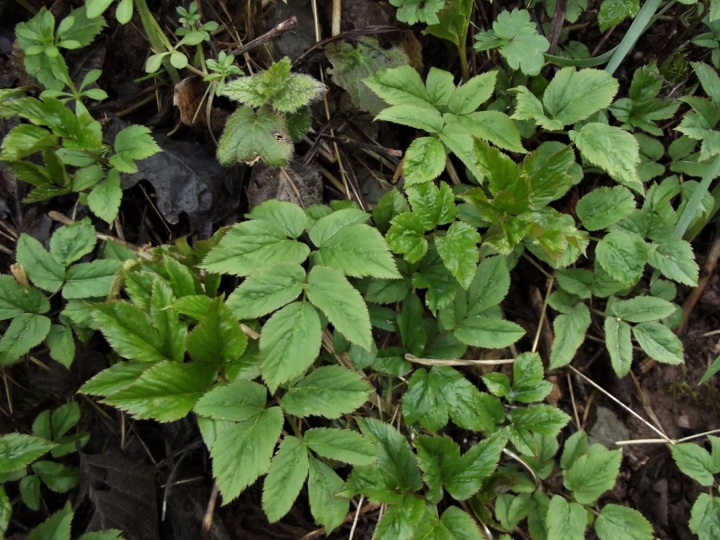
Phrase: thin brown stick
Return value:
(350, 517)
(267, 36)
(61, 218)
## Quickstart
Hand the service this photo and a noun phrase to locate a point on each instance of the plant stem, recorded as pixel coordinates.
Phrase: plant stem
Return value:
(463, 58)
(158, 41)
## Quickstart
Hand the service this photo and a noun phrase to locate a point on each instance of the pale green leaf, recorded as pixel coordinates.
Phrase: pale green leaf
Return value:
(131, 144)
(623, 256)
(104, 199)
(242, 452)
(266, 291)
(424, 161)
(61, 344)
(341, 445)
(432, 205)
(25, 332)
(613, 12)
(289, 343)
(659, 342)
(705, 517)
(569, 335)
(40, 266)
(329, 391)
(165, 392)
(327, 508)
(491, 126)
(694, 461)
(675, 260)
(285, 479)
(71, 242)
(400, 519)
(593, 474)
(253, 246)
(565, 521)
(575, 446)
(619, 346)
(489, 286)
(604, 206)
(333, 294)
(542, 419)
(460, 524)
(407, 237)
(440, 87)
(16, 299)
(480, 331)
(573, 95)
(399, 86)
(288, 215)
(468, 97)
(459, 252)
(238, 401)
(622, 523)
(642, 309)
(424, 117)
(114, 378)
(250, 136)
(93, 279)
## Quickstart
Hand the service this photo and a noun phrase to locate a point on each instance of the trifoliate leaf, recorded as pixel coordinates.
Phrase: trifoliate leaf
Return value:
(659, 342)
(604, 206)
(333, 294)
(329, 391)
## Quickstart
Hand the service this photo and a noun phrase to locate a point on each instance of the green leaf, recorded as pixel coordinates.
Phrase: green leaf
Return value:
(356, 250)
(71, 242)
(619, 346)
(289, 343)
(467, 406)
(399, 86)
(20, 450)
(489, 286)
(329, 391)
(642, 309)
(250, 136)
(575, 446)
(56, 476)
(423, 401)
(56, 527)
(288, 215)
(333, 294)
(266, 291)
(129, 331)
(238, 401)
(424, 161)
(425, 117)
(528, 384)
(520, 43)
(480, 331)
(593, 474)
(575, 281)
(25, 140)
(613, 12)
(705, 517)
(80, 27)
(165, 392)
(17, 299)
(218, 339)
(617, 522)
(390, 205)
(110, 534)
(39, 265)
(341, 445)
(565, 521)
(285, 479)
(400, 519)
(352, 64)
(182, 281)
(104, 199)
(395, 469)
(468, 97)
(407, 237)
(253, 246)
(327, 508)
(410, 324)
(542, 419)
(415, 11)
(491, 126)
(242, 452)
(474, 467)
(659, 342)
(114, 378)
(25, 332)
(30, 492)
(623, 256)
(604, 206)
(461, 525)
(131, 144)
(675, 260)
(569, 335)
(694, 461)
(61, 344)
(459, 252)
(93, 279)
(439, 459)
(615, 151)
(329, 225)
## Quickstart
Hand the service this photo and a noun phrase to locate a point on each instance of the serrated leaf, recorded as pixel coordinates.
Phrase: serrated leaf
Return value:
(694, 461)
(575, 95)
(129, 331)
(333, 294)
(528, 384)
(253, 246)
(104, 199)
(658, 341)
(565, 521)
(399, 86)
(288, 215)
(39, 265)
(615, 151)
(25, 332)
(424, 161)
(575, 446)
(71, 242)
(407, 237)
(491, 126)
(480, 331)
(390, 205)
(327, 508)
(250, 136)
(238, 401)
(114, 378)
(705, 517)
(56, 476)
(218, 339)
(266, 291)
(56, 527)
(423, 401)
(623, 256)
(542, 419)
(489, 286)
(341, 445)
(458, 250)
(642, 309)
(329, 391)
(16, 299)
(21, 450)
(439, 459)
(675, 260)
(593, 474)
(569, 335)
(131, 144)
(289, 343)
(165, 392)
(468, 97)
(474, 467)
(460, 524)
(30, 493)
(400, 519)
(285, 479)
(466, 405)
(410, 324)
(242, 452)
(61, 344)
(617, 522)
(425, 117)
(619, 346)
(604, 206)
(93, 279)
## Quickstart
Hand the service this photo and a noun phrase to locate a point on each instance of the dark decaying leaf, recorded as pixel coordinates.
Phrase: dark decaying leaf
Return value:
(123, 492)
(295, 183)
(190, 97)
